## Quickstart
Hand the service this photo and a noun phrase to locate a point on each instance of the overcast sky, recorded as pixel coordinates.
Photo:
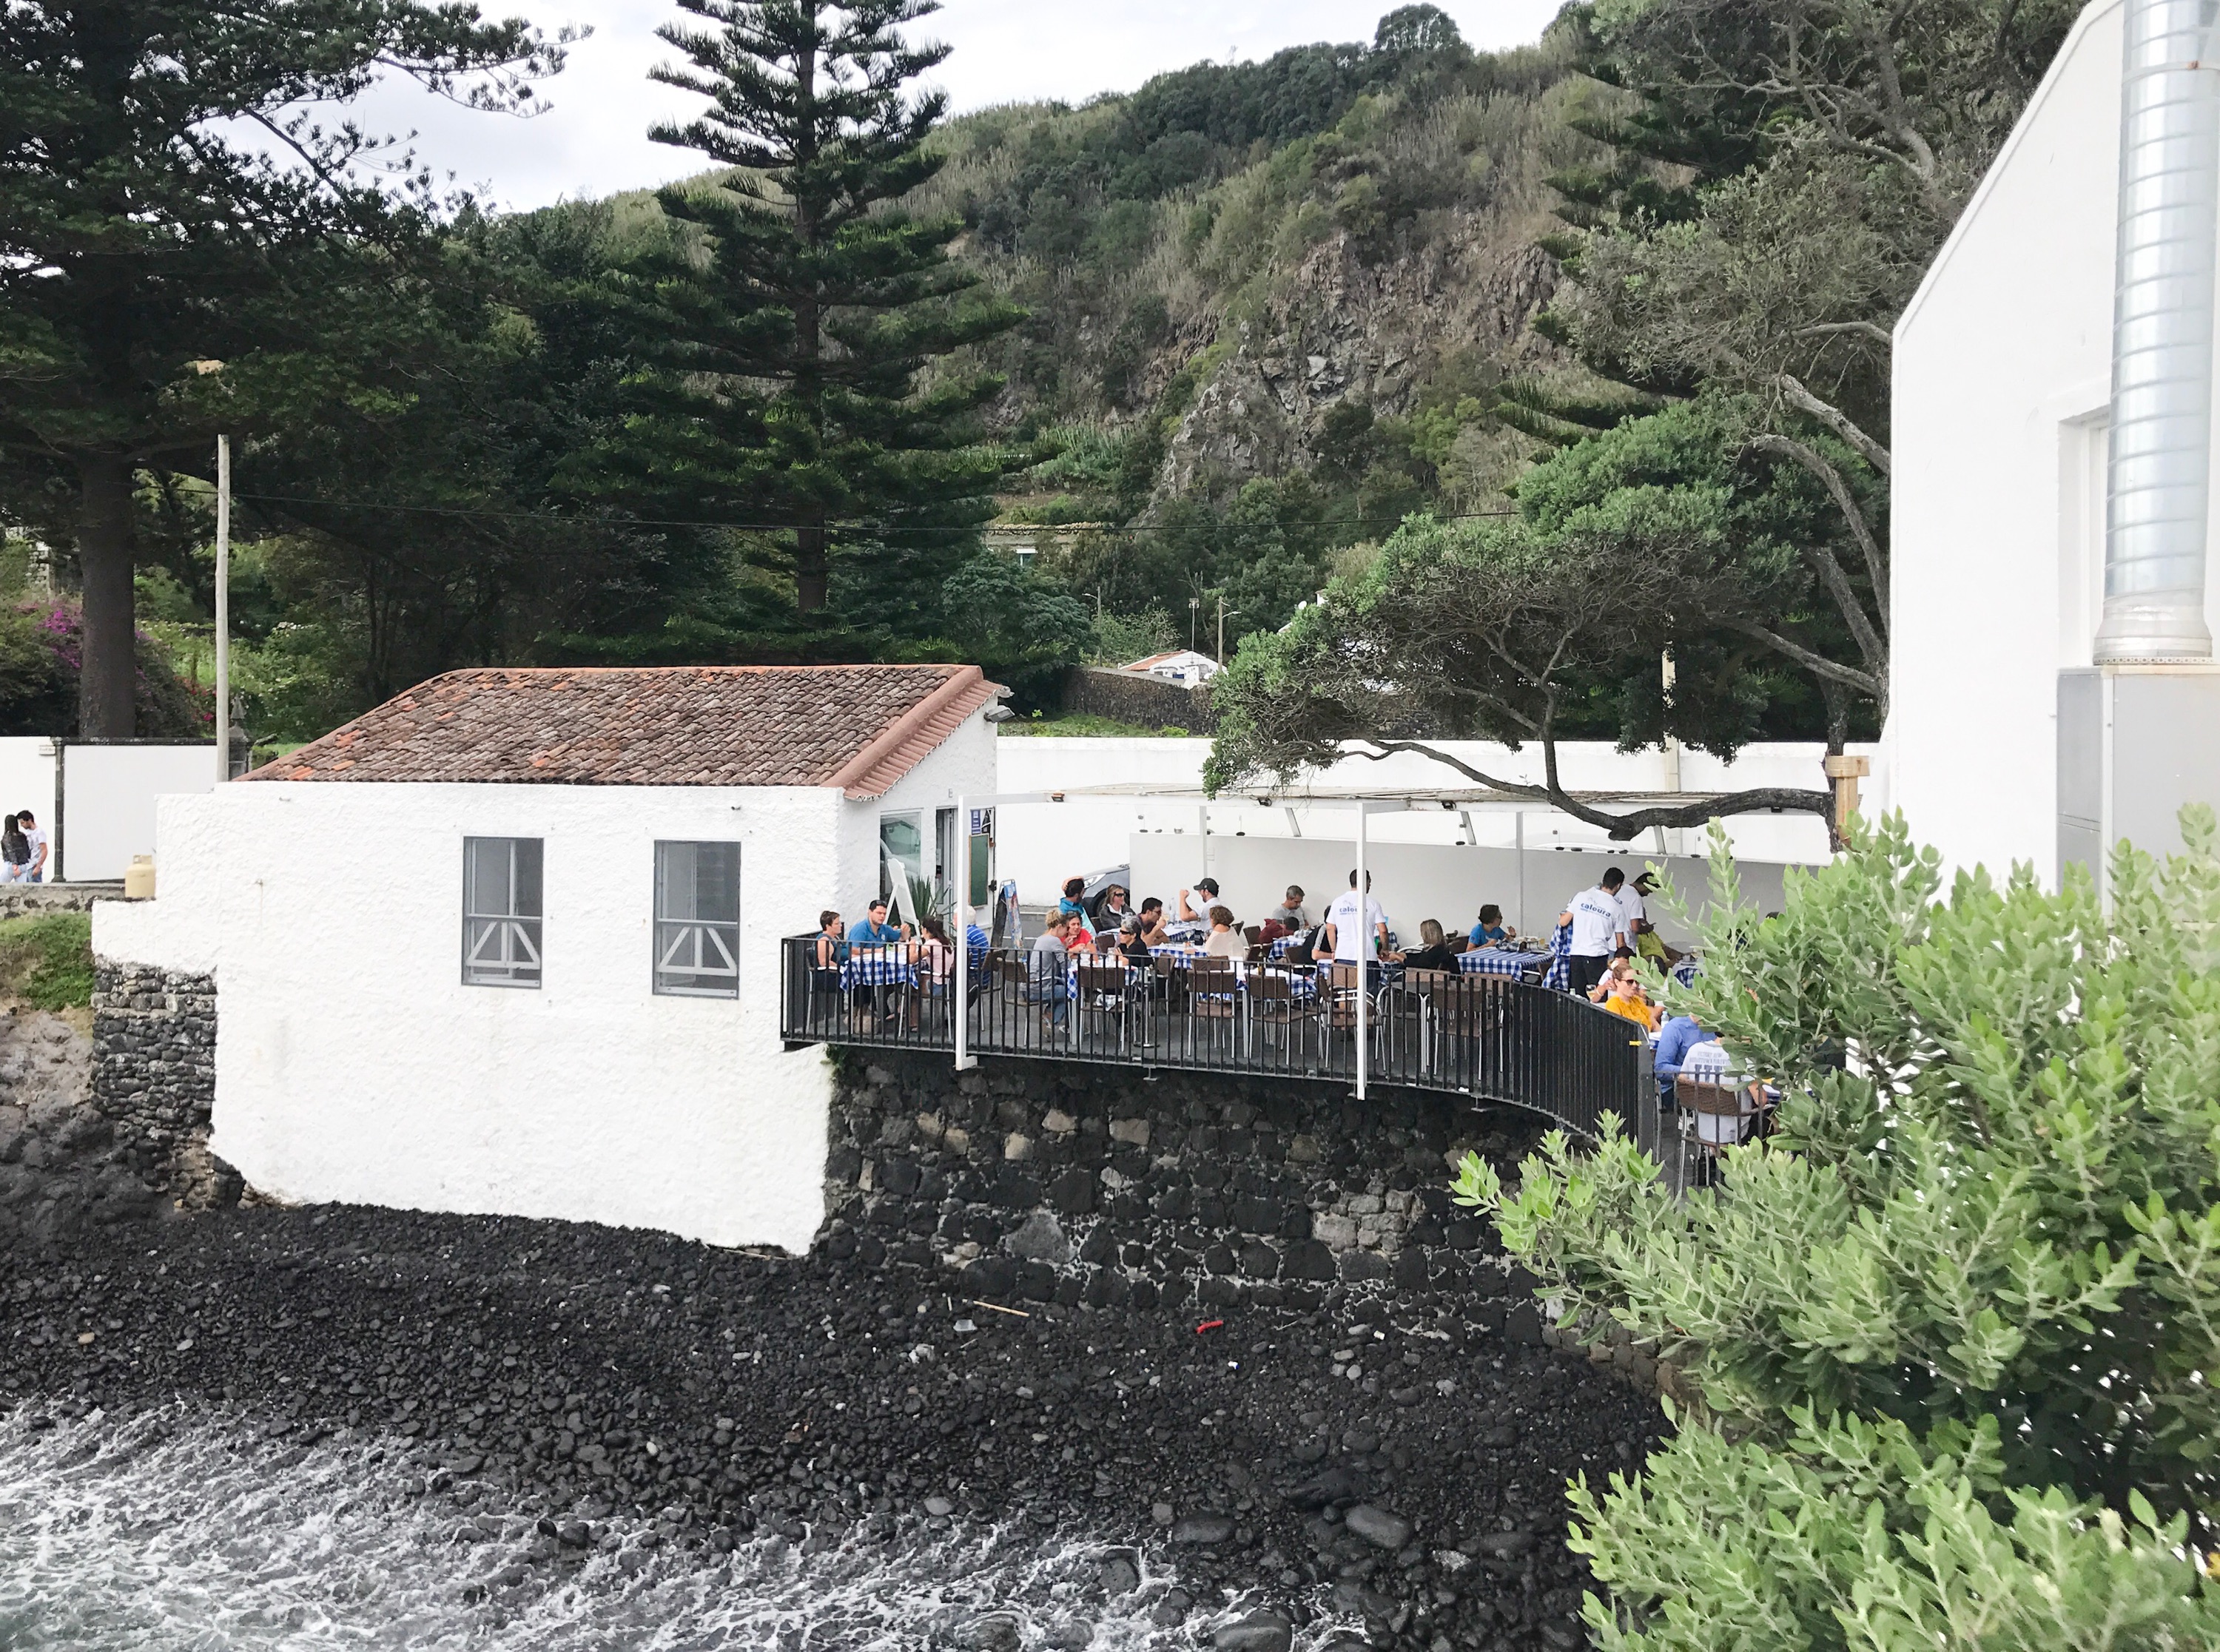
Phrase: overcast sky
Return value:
(593, 139)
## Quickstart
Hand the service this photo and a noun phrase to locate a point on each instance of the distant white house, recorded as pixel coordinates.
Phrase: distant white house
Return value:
(1182, 666)
(510, 943)
(2002, 414)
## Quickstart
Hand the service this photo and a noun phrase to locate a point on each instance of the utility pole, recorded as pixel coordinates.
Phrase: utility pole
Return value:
(1222, 612)
(1193, 613)
(222, 609)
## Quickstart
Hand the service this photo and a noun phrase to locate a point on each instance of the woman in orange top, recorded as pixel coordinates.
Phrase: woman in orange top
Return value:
(1622, 995)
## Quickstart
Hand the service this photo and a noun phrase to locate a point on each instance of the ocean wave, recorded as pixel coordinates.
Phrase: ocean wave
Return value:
(174, 1532)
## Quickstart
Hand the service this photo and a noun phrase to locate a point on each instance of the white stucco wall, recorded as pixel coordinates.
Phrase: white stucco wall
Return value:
(1040, 844)
(1416, 880)
(2002, 383)
(353, 1064)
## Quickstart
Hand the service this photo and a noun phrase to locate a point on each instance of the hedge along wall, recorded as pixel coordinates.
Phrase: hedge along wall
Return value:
(1026, 1180)
(1127, 697)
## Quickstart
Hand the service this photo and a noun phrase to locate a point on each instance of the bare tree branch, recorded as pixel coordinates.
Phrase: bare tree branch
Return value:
(1620, 827)
(1870, 641)
(1837, 421)
(1872, 330)
(1818, 664)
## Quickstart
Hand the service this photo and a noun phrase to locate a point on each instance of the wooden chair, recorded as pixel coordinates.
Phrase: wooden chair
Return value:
(1337, 1003)
(1405, 1018)
(1741, 1113)
(1213, 996)
(1105, 997)
(1463, 1009)
(1253, 933)
(1273, 1002)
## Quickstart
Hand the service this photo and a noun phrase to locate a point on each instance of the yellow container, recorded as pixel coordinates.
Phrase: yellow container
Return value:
(139, 878)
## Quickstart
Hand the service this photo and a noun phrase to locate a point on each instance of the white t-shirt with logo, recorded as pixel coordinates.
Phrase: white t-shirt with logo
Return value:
(36, 837)
(1597, 919)
(1352, 940)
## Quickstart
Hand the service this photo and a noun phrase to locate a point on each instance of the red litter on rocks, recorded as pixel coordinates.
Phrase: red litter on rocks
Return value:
(1210, 1325)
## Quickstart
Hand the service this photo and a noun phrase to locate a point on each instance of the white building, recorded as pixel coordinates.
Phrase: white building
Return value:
(508, 944)
(2002, 412)
(1182, 666)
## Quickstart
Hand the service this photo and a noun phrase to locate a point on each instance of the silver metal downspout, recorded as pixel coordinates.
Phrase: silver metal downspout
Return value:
(2158, 492)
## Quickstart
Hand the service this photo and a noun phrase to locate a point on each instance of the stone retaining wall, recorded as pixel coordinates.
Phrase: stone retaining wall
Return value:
(153, 1076)
(1132, 697)
(1027, 1180)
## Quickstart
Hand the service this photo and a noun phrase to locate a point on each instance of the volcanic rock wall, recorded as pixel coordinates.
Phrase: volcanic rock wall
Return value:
(153, 1077)
(1041, 1181)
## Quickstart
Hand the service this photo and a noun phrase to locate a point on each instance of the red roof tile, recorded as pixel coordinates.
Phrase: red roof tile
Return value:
(860, 728)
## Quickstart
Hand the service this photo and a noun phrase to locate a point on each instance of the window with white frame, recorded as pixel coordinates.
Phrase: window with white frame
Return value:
(501, 911)
(698, 919)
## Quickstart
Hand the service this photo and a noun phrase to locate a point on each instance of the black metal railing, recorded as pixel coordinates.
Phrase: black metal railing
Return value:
(1486, 1036)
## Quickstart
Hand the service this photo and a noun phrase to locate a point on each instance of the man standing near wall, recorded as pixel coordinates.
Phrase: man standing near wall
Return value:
(35, 872)
(1598, 928)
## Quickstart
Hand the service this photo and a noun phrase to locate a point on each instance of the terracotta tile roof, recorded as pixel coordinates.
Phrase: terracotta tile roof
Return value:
(860, 728)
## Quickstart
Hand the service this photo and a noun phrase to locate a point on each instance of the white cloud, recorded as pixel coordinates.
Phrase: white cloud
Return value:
(593, 141)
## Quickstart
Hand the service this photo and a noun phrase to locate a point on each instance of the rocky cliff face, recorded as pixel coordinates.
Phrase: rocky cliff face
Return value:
(1349, 330)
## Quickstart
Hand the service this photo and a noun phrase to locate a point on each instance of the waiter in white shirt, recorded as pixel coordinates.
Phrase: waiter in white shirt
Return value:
(1348, 920)
(1598, 928)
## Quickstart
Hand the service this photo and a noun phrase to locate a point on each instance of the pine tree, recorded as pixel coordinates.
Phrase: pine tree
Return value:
(797, 339)
(140, 246)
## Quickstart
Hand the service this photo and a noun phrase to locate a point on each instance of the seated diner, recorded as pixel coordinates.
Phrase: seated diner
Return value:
(1491, 930)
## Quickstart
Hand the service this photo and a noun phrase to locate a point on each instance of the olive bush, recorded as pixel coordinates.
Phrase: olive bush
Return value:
(1946, 1341)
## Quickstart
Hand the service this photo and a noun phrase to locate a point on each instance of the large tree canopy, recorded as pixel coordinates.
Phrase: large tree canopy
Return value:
(1668, 535)
(1832, 144)
(796, 329)
(160, 280)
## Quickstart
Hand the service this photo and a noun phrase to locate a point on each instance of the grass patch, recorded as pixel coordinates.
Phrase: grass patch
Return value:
(1086, 725)
(45, 961)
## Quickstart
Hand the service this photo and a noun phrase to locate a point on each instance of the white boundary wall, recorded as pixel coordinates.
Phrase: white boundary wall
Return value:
(26, 780)
(352, 1064)
(108, 801)
(1040, 844)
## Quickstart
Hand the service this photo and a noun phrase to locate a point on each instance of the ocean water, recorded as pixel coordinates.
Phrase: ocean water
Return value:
(172, 1532)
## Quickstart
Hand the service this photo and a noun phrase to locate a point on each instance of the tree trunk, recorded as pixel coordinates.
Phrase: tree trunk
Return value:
(811, 570)
(109, 675)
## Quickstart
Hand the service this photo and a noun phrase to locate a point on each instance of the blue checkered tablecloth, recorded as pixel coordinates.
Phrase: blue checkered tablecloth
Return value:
(1559, 975)
(884, 966)
(1281, 944)
(1687, 970)
(1494, 960)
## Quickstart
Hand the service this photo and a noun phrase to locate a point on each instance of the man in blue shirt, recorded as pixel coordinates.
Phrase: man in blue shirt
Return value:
(1675, 1040)
(874, 929)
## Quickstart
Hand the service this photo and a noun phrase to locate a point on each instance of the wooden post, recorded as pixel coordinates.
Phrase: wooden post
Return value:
(1846, 772)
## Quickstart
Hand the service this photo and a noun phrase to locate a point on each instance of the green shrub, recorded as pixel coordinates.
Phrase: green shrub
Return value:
(45, 961)
(1949, 1338)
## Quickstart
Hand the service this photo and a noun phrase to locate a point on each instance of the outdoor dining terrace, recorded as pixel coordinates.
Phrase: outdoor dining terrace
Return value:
(1491, 1030)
